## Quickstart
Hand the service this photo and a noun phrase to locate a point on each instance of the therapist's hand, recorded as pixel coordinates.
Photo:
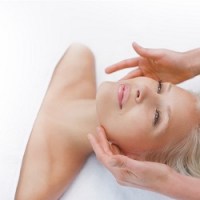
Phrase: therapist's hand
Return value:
(141, 174)
(159, 64)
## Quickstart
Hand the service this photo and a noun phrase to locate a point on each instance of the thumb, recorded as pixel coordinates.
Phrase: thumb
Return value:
(146, 52)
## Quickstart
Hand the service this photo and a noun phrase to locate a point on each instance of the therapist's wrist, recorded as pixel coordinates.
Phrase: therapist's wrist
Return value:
(173, 188)
(181, 187)
(166, 183)
(192, 61)
(171, 185)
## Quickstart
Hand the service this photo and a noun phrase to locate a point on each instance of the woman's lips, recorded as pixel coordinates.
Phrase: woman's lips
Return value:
(123, 94)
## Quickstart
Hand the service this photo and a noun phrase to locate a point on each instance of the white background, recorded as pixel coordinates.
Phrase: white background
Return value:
(34, 35)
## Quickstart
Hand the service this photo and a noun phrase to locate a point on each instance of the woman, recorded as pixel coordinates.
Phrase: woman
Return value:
(169, 66)
(58, 144)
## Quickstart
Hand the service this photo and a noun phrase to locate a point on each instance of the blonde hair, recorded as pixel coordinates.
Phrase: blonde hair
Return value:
(184, 156)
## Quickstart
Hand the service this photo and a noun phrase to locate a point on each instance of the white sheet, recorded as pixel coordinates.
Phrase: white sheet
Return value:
(33, 37)
(95, 182)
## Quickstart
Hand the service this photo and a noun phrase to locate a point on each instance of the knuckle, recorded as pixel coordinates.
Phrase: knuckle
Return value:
(120, 179)
(113, 162)
(120, 182)
(128, 62)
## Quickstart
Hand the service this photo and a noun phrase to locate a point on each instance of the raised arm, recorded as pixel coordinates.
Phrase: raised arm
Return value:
(151, 176)
(161, 64)
(58, 145)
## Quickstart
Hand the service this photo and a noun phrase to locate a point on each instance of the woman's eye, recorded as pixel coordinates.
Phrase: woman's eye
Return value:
(156, 117)
(159, 87)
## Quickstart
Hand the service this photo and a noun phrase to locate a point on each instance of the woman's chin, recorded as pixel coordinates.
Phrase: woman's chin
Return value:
(102, 98)
(103, 87)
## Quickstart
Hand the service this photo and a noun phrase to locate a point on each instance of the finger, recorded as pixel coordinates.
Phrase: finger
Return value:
(103, 141)
(131, 164)
(147, 52)
(133, 74)
(105, 159)
(109, 148)
(95, 145)
(132, 62)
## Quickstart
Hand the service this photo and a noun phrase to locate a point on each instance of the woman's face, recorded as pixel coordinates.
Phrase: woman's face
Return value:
(142, 114)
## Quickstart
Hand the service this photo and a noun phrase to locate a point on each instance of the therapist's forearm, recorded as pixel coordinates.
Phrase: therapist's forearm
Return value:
(192, 58)
(182, 187)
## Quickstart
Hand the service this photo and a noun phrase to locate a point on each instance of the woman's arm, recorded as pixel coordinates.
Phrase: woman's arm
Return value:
(151, 176)
(58, 145)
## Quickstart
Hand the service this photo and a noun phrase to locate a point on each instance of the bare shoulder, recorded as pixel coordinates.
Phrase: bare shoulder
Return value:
(74, 75)
(46, 156)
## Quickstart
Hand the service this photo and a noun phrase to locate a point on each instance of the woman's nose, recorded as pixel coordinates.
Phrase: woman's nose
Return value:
(139, 96)
(144, 93)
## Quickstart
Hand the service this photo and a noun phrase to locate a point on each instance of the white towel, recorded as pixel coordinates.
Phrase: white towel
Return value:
(95, 182)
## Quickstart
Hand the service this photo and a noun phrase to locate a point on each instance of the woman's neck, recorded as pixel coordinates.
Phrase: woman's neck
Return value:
(90, 115)
(82, 116)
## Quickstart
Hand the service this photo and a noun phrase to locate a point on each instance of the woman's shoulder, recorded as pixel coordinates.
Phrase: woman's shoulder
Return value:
(74, 75)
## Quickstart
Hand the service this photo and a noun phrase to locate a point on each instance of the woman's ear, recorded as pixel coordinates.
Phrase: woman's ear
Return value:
(115, 149)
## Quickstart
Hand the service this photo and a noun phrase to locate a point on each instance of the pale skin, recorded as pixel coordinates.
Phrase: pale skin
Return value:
(58, 145)
(151, 116)
(160, 64)
(151, 176)
(165, 65)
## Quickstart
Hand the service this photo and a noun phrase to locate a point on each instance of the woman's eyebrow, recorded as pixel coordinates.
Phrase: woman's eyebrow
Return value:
(167, 119)
(165, 123)
(167, 112)
(168, 115)
(168, 109)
